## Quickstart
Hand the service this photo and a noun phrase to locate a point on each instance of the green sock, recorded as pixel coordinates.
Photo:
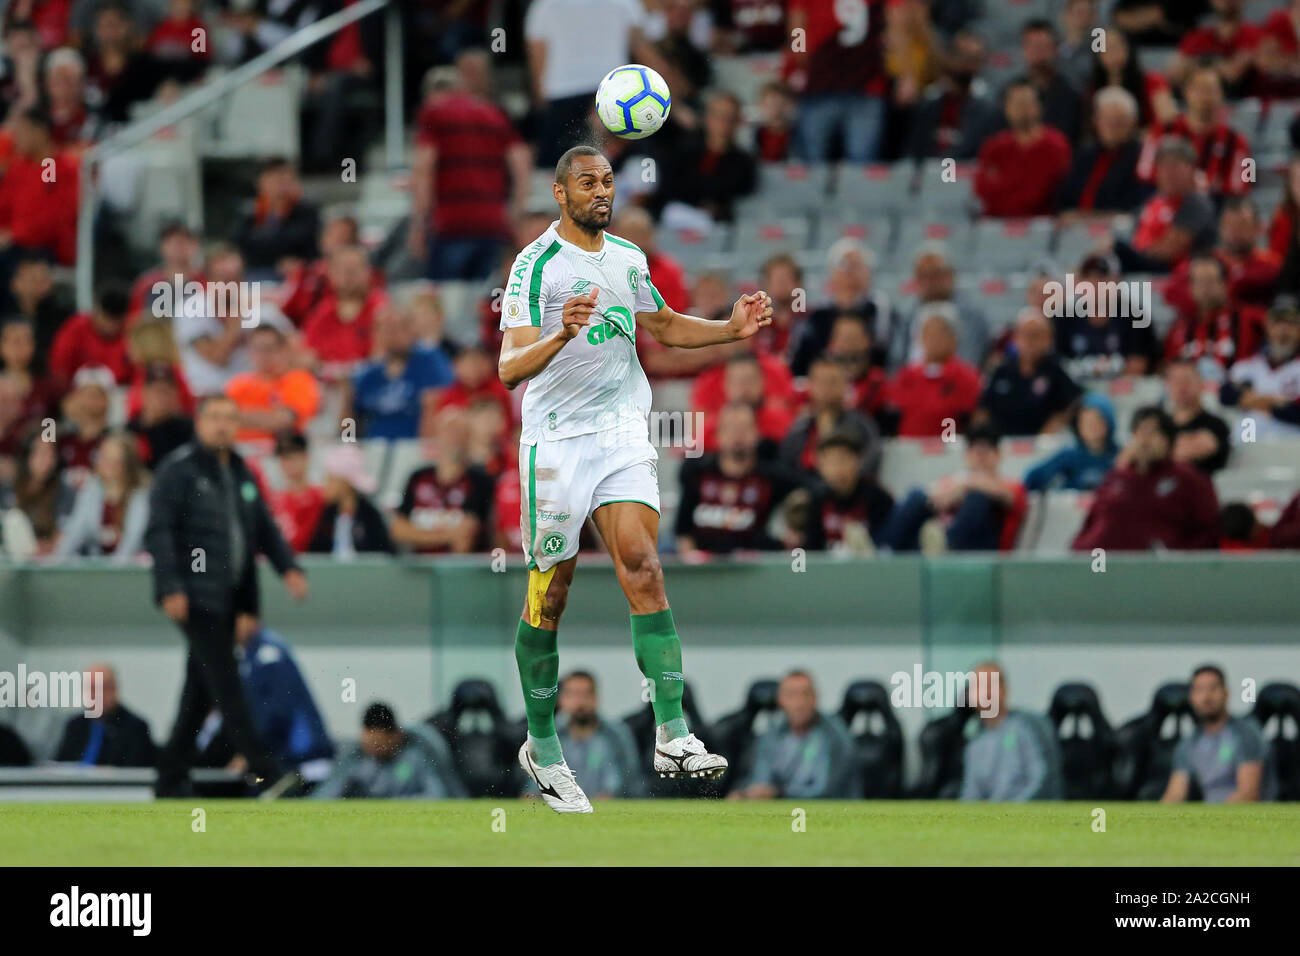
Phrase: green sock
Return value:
(659, 655)
(539, 672)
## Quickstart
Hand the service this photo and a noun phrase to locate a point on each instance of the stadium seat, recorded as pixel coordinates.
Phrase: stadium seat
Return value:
(916, 462)
(940, 198)
(913, 231)
(1277, 711)
(876, 188)
(1087, 742)
(1052, 526)
(1012, 245)
(1145, 745)
(789, 187)
(734, 734)
(756, 240)
(942, 745)
(1073, 243)
(691, 245)
(877, 738)
(260, 118)
(482, 740)
(406, 456)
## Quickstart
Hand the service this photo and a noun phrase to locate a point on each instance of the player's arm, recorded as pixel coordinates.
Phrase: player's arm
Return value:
(748, 315)
(525, 352)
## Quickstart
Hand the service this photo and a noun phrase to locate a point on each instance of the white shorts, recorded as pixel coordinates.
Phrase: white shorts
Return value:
(563, 480)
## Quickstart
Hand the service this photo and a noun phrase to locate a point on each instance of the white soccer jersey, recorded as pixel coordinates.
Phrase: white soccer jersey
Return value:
(595, 382)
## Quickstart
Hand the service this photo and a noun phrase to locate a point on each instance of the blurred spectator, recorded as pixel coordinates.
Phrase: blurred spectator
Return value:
(850, 287)
(748, 25)
(1074, 52)
(710, 170)
(179, 42)
(341, 101)
(572, 44)
(1158, 22)
(806, 754)
(273, 396)
(349, 524)
(446, 506)
(214, 348)
(338, 331)
(161, 425)
(306, 283)
(392, 763)
(839, 74)
(20, 60)
(112, 506)
(1083, 466)
(281, 704)
(781, 278)
(1118, 64)
(475, 380)
(1061, 105)
(1252, 269)
(33, 297)
(1174, 223)
(979, 510)
(150, 342)
(1103, 174)
(1220, 150)
(728, 498)
(1269, 381)
(280, 228)
(17, 364)
(911, 50)
(774, 131)
(1227, 40)
(389, 394)
(936, 283)
(600, 752)
(178, 251)
(681, 32)
(1016, 755)
(635, 225)
(1282, 227)
(95, 339)
(120, 72)
(531, 224)
(1150, 500)
(85, 421)
(1226, 758)
(116, 738)
(1214, 331)
(775, 392)
(1103, 339)
(1276, 64)
(470, 176)
(296, 504)
(938, 393)
(742, 382)
(38, 196)
(425, 307)
(41, 494)
(1020, 169)
(1285, 532)
(847, 510)
(851, 346)
(1202, 437)
(1240, 530)
(955, 114)
(1029, 393)
(71, 125)
(827, 413)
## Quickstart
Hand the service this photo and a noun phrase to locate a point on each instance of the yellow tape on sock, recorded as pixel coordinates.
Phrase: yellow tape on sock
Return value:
(538, 582)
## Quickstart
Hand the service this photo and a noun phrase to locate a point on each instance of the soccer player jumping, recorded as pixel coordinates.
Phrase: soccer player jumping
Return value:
(570, 314)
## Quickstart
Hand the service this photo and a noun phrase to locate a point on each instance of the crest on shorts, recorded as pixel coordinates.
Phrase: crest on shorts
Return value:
(554, 543)
(632, 278)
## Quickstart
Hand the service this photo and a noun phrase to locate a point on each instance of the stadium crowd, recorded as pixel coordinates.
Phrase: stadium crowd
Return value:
(793, 423)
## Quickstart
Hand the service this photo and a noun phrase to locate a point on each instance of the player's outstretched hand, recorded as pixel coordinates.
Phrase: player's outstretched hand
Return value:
(577, 313)
(751, 313)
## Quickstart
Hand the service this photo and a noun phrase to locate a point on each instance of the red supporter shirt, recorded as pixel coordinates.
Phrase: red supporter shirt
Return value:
(709, 392)
(1281, 27)
(1172, 505)
(1220, 152)
(78, 344)
(336, 340)
(1015, 179)
(1251, 279)
(1205, 42)
(174, 40)
(471, 183)
(926, 394)
(456, 395)
(40, 214)
(1235, 333)
(296, 512)
(430, 503)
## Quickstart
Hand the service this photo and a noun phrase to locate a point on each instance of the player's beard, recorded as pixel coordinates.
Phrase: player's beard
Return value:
(589, 219)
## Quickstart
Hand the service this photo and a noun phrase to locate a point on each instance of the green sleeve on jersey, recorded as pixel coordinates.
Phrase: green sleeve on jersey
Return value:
(659, 300)
(535, 286)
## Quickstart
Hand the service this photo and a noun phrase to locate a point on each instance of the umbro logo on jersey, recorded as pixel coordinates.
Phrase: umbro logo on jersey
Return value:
(581, 286)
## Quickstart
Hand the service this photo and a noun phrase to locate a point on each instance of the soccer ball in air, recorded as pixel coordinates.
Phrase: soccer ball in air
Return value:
(633, 101)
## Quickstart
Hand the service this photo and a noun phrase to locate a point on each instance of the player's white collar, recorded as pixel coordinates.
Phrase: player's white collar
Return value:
(604, 242)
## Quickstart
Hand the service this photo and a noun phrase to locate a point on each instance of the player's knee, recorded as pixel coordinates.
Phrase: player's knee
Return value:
(642, 573)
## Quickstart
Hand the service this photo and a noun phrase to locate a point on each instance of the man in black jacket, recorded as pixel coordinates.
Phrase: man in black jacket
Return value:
(207, 523)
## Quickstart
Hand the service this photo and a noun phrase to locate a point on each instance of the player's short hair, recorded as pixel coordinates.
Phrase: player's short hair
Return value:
(1214, 669)
(565, 165)
(379, 716)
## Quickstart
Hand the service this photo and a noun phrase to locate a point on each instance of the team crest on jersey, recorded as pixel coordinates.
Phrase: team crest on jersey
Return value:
(632, 277)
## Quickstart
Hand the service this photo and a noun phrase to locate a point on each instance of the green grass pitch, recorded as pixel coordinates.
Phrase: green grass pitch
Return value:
(686, 832)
